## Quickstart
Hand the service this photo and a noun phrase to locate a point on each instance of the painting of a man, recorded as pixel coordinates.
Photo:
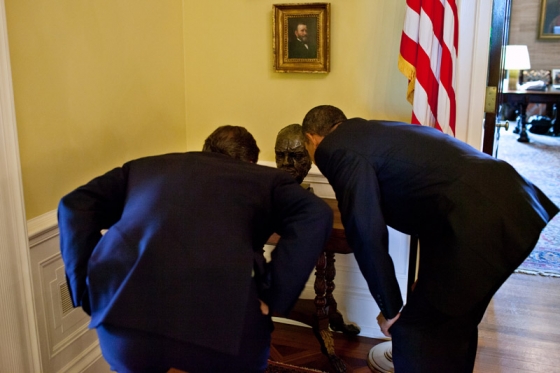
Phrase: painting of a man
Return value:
(552, 17)
(302, 37)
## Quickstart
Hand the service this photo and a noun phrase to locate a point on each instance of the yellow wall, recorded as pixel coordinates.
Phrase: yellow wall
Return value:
(230, 77)
(97, 83)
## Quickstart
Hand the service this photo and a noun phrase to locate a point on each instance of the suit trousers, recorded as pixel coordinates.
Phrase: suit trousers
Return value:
(425, 340)
(134, 351)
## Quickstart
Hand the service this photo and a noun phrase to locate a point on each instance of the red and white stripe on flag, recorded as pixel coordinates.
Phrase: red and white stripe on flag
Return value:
(428, 57)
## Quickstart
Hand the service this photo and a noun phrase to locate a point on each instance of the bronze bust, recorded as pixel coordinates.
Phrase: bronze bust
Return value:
(291, 155)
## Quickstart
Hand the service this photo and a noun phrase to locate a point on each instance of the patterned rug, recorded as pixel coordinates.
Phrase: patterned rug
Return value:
(276, 367)
(538, 161)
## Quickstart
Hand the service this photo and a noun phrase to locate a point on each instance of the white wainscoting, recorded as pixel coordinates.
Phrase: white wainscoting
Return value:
(66, 343)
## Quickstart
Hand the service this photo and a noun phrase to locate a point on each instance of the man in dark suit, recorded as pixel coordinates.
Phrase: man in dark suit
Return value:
(476, 218)
(179, 278)
(299, 45)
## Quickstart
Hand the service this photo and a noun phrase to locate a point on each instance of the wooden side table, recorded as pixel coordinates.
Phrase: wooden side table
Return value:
(520, 99)
(322, 312)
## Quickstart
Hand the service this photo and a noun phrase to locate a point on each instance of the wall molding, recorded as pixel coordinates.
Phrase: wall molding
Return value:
(87, 358)
(314, 178)
(42, 228)
(66, 342)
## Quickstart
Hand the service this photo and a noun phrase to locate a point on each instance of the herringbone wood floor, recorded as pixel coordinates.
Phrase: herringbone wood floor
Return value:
(519, 333)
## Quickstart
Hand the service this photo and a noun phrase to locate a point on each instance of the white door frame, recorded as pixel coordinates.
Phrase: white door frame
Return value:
(18, 327)
(472, 69)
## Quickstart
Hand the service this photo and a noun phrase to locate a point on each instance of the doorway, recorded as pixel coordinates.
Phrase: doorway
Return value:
(516, 22)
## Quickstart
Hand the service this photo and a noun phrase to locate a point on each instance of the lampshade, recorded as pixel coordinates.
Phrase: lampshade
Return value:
(517, 58)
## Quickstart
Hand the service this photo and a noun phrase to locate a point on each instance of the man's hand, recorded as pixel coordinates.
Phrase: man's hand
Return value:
(264, 308)
(385, 324)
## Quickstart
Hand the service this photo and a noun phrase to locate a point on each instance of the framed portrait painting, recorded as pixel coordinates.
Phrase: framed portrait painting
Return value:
(300, 37)
(555, 78)
(549, 27)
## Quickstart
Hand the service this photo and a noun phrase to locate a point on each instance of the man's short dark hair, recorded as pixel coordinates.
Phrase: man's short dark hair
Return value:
(321, 119)
(234, 141)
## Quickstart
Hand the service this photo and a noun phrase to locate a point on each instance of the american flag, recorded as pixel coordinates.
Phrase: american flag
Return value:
(428, 57)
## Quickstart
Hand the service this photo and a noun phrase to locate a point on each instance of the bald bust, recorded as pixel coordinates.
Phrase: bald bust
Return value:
(291, 155)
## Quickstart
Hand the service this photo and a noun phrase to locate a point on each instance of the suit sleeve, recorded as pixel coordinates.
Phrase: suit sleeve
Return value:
(355, 183)
(82, 214)
(304, 223)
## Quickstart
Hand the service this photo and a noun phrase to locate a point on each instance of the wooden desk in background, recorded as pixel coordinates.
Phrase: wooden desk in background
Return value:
(322, 312)
(520, 99)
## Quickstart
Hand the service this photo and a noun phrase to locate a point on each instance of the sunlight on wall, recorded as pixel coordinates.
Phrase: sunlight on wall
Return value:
(230, 77)
(96, 83)
(99, 83)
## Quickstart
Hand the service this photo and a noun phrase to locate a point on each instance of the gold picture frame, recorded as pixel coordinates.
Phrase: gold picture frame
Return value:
(555, 78)
(301, 37)
(549, 27)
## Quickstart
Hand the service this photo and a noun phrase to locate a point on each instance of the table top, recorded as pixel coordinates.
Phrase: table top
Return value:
(337, 221)
(337, 242)
(548, 91)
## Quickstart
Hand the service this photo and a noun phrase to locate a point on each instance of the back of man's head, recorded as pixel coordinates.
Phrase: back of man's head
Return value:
(321, 119)
(233, 141)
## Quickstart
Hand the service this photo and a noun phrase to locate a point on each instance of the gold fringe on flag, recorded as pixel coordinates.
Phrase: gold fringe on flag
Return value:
(408, 70)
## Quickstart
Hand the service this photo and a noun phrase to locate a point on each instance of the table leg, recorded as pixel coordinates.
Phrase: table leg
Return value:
(523, 137)
(320, 287)
(321, 322)
(555, 122)
(336, 319)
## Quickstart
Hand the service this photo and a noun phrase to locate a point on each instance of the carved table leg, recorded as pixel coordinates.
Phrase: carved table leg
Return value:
(320, 288)
(321, 322)
(335, 318)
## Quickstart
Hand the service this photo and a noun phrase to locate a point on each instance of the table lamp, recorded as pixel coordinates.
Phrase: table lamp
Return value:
(517, 58)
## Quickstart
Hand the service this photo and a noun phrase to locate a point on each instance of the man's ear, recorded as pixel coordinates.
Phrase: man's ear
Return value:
(309, 137)
(314, 139)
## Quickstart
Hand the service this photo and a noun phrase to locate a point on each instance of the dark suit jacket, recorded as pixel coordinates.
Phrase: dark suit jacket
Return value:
(476, 218)
(296, 49)
(185, 233)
